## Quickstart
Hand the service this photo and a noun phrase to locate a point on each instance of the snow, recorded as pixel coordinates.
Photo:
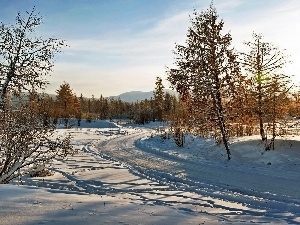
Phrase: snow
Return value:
(131, 175)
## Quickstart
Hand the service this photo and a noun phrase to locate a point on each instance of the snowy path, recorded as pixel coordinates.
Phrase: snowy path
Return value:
(270, 195)
(126, 149)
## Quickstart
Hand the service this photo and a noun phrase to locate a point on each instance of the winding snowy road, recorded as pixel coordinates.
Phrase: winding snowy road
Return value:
(268, 190)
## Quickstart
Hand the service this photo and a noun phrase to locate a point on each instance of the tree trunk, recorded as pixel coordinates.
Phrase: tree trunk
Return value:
(272, 144)
(260, 113)
(221, 122)
(261, 129)
(224, 134)
(4, 97)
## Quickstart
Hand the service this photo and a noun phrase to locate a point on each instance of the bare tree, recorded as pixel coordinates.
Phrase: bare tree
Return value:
(26, 143)
(25, 59)
(206, 70)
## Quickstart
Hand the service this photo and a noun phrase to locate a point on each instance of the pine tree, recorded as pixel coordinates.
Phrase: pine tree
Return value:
(179, 121)
(206, 70)
(84, 106)
(158, 95)
(168, 105)
(65, 103)
(294, 104)
(42, 106)
(77, 109)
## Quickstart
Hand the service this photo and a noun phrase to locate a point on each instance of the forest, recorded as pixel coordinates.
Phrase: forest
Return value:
(266, 105)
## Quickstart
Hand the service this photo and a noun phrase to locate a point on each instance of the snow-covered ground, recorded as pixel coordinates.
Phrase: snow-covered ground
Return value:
(130, 175)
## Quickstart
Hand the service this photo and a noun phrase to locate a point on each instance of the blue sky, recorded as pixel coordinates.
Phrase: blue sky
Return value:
(117, 46)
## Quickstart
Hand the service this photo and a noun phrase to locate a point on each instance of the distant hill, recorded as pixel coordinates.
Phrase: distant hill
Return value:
(134, 96)
(131, 96)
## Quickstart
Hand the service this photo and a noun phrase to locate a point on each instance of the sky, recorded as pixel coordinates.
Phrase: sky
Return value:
(117, 46)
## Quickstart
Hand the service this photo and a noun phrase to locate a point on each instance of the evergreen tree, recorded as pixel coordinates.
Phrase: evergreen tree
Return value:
(294, 104)
(77, 109)
(168, 105)
(207, 70)
(83, 103)
(65, 103)
(42, 106)
(158, 95)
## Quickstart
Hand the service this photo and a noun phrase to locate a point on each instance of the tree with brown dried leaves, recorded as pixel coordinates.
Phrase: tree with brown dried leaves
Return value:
(262, 63)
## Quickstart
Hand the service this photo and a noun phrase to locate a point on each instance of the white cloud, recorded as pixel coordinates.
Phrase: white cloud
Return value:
(162, 36)
(132, 61)
(112, 66)
(278, 24)
(228, 6)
